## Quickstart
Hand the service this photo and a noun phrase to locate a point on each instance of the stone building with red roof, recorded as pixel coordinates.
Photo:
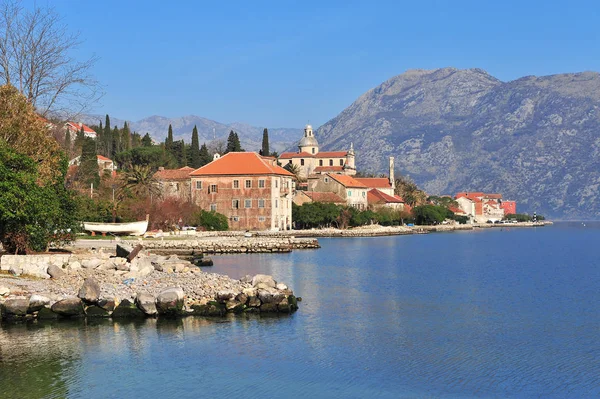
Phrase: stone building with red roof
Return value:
(346, 187)
(253, 192)
(482, 207)
(302, 197)
(75, 127)
(310, 160)
(175, 182)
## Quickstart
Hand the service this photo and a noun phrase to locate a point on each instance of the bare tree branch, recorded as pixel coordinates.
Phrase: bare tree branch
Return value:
(36, 57)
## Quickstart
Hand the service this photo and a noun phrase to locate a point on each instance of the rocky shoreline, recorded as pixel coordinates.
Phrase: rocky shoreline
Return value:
(99, 284)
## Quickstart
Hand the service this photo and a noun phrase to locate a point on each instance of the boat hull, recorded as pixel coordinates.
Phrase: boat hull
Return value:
(133, 228)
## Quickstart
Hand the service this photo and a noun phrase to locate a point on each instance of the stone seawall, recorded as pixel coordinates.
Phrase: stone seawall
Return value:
(232, 244)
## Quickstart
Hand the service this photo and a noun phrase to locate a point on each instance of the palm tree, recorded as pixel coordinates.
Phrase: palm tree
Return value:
(409, 191)
(293, 169)
(139, 180)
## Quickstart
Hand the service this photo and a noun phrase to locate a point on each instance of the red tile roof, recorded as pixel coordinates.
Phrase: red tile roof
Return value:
(103, 158)
(457, 211)
(375, 196)
(324, 154)
(322, 169)
(75, 126)
(332, 154)
(493, 196)
(324, 197)
(347, 181)
(375, 182)
(290, 155)
(240, 163)
(174, 174)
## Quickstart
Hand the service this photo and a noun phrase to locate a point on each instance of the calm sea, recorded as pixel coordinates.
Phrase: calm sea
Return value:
(511, 313)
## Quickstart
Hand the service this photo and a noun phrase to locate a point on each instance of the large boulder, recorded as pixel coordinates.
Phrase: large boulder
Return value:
(36, 302)
(120, 264)
(107, 264)
(90, 290)
(144, 266)
(270, 296)
(69, 307)
(146, 303)
(224, 296)
(263, 281)
(56, 271)
(96, 311)
(91, 263)
(74, 265)
(170, 301)
(107, 304)
(35, 270)
(16, 306)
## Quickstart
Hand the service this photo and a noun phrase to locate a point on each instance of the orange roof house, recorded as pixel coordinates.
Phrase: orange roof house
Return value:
(175, 182)
(251, 191)
(378, 199)
(75, 127)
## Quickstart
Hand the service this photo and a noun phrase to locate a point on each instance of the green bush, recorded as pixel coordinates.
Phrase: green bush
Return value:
(211, 220)
(33, 214)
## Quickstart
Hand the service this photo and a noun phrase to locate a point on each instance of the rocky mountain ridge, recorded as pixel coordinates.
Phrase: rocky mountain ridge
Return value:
(535, 139)
(250, 136)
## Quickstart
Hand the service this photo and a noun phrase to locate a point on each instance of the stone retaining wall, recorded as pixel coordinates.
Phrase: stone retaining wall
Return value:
(231, 245)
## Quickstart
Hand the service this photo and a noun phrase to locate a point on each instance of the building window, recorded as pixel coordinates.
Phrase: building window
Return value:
(290, 162)
(248, 183)
(213, 188)
(213, 207)
(363, 193)
(331, 162)
(349, 193)
(341, 162)
(235, 218)
(235, 204)
(198, 185)
(236, 184)
(261, 203)
(261, 183)
(261, 218)
(327, 180)
(320, 162)
(248, 203)
(302, 162)
(313, 150)
(276, 183)
(276, 204)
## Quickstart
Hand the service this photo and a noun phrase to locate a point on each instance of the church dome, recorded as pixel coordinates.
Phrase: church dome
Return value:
(309, 141)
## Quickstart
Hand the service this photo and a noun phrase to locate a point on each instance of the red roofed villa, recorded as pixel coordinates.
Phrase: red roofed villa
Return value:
(75, 127)
(253, 192)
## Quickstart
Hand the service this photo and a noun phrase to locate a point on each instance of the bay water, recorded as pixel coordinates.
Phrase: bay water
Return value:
(490, 313)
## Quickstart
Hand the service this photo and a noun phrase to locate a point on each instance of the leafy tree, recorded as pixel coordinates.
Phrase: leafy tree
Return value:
(23, 131)
(233, 143)
(431, 214)
(32, 216)
(205, 157)
(153, 157)
(147, 140)
(265, 143)
(211, 220)
(195, 161)
(87, 172)
(68, 142)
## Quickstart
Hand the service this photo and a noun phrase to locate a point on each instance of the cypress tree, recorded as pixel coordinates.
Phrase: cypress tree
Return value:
(204, 155)
(169, 139)
(233, 143)
(265, 143)
(116, 142)
(125, 138)
(107, 147)
(87, 172)
(146, 141)
(195, 149)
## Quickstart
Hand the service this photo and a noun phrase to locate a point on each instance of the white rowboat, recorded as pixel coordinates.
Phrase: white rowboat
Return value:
(133, 228)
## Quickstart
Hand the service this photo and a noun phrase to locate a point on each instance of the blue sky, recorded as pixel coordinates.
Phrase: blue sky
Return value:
(283, 63)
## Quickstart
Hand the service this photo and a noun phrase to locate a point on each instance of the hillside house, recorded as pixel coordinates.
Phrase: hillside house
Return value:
(302, 197)
(75, 127)
(175, 182)
(351, 190)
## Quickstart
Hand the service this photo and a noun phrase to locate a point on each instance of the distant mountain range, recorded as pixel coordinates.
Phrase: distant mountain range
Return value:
(535, 139)
(250, 136)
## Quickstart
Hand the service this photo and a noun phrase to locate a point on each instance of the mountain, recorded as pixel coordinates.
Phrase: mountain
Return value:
(535, 139)
(250, 136)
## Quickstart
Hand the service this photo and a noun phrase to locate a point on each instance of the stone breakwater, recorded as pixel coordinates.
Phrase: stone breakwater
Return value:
(98, 285)
(230, 244)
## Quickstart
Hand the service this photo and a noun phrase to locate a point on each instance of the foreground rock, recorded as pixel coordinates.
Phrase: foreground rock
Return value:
(69, 307)
(170, 302)
(90, 291)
